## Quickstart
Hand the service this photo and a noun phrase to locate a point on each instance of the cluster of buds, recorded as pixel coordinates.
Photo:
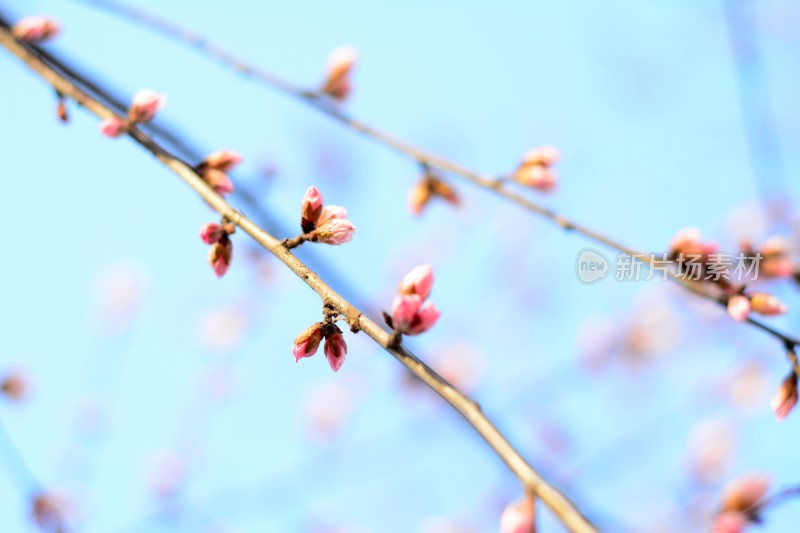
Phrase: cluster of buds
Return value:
(429, 187)
(411, 314)
(536, 168)
(35, 30)
(785, 397)
(325, 224)
(338, 73)
(143, 109)
(218, 236)
(215, 167)
(774, 257)
(688, 247)
(519, 517)
(740, 305)
(307, 343)
(742, 499)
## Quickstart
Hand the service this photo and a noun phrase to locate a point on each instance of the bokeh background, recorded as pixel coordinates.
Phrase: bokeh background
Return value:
(163, 399)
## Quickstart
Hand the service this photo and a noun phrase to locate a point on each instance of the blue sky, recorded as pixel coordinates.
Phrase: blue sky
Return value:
(640, 97)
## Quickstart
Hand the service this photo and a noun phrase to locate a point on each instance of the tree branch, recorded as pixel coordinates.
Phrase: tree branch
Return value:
(490, 183)
(528, 476)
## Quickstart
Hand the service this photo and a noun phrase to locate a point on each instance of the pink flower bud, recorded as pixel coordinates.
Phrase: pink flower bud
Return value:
(426, 318)
(335, 348)
(335, 231)
(33, 30)
(220, 256)
(766, 304)
(338, 72)
(404, 311)
(113, 127)
(211, 233)
(739, 307)
(685, 238)
(218, 180)
(419, 281)
(729, 522)
(223, 160)
(519, 517)
(745, 492)
(14, 386)
(419, 196)
(785, 397)
(146, 104)
(331, 212)
(537, 176)
(546, 155)
(311, 209)
(307, 343)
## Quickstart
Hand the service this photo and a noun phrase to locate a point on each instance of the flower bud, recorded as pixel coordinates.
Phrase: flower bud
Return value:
(218, 180)
(335, 348)
(338, 72)
(519, 517)
(444, 190)
(335, 231)
(34, 30)
(307, 343)
(61, 111)
(14, 386)
(146, 104)
(426, 318)
(766, 304)
(222, 160)
(113, 127)
(404, 311)
(538, 177)
(419, 281)
(331, 212)
(785, 397)
(745, 492)
(211, 233)
(739, 307)
(220, 256)
(419, 196)
(311, 209)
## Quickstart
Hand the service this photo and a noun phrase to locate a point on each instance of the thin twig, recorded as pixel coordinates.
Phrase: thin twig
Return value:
(469, 409)
(493, 184)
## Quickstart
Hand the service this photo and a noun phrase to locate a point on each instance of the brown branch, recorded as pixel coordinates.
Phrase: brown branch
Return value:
(492, 184)
(469, 409)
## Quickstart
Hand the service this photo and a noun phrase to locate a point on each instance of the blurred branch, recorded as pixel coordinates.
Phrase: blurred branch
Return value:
(490, 183)
(763, 147)
(469, 409)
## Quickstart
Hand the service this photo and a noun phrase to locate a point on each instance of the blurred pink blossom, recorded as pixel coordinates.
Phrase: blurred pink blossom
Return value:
(518, 517)
(145, 105)
(739, 307)
(34, 30)
(785, 397)
(338, 72)
(113, 127)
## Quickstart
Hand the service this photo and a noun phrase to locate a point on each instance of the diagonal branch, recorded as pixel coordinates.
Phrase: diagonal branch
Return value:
(469, 409)
(492, 184)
